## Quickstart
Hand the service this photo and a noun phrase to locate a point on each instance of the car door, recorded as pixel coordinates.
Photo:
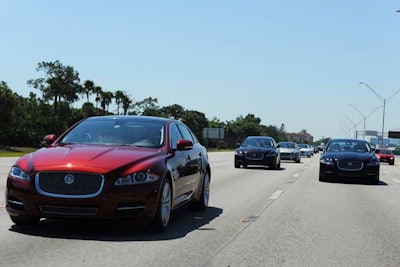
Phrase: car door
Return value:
(193, 160)
(181, 166)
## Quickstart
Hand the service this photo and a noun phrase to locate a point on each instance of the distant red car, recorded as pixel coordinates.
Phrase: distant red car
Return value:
(131, 167)
(385, 155)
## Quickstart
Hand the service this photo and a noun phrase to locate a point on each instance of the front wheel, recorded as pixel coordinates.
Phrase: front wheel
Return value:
(202, 203)
(161, 220)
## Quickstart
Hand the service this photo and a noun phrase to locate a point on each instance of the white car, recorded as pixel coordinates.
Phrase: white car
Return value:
(306, 150)
(289, 151)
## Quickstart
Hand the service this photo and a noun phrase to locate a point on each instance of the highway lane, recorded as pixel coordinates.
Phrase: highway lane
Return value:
(257, 217)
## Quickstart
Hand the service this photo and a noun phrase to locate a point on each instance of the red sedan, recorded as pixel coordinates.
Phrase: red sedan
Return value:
(385, 155)
(131, 167)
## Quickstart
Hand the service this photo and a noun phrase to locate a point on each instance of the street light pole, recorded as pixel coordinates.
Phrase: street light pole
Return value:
(365, 118)
(355, 126)
(348, 129)
(384, 101)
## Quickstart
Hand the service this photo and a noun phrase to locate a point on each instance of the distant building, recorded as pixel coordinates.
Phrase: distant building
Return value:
(302, 137)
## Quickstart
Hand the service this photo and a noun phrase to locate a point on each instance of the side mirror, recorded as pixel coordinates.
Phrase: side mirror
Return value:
(48, 139)
(184, 145)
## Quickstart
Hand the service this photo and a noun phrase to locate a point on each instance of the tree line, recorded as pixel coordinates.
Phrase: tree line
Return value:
(26, 120)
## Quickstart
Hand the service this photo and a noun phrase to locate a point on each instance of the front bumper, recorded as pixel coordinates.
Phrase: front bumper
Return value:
(367, 174)
(136, 201)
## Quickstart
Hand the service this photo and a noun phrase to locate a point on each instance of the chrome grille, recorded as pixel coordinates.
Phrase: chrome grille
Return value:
(349, 165)
(69, 184)
(254, 155)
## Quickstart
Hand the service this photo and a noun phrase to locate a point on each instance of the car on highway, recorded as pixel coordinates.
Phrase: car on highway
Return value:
(289, 151)
(124, 167)
(258, 150)
(385, 155)
(349, 160)
(306, 150)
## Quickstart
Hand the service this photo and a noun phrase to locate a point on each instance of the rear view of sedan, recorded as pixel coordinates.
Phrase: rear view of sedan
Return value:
(349, 160)
(111, 167)
(258, 150)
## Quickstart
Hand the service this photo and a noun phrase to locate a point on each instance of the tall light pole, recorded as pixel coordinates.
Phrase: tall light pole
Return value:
(362, 115)
(365, 117)
(355, 126)
(348, 129)
(384, 101)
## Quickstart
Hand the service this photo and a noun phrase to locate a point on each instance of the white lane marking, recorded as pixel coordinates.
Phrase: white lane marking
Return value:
(276, 194)
(397, 181)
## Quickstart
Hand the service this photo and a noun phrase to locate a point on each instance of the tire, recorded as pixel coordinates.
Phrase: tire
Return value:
(297, 160)
(237, 165)
(278, 166)
(274, 166)
(24, 220)
(161, 220)
(322, 179)
(202, 203)
(391, 163)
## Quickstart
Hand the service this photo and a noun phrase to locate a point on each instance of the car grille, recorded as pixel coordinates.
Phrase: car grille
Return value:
(348, 165)
(77, 211)
(254, 155)
(69, 184)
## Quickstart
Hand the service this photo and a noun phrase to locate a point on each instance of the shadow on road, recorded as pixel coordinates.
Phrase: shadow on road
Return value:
(182, 223)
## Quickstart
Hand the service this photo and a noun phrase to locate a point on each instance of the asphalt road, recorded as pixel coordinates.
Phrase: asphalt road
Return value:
(257, 217)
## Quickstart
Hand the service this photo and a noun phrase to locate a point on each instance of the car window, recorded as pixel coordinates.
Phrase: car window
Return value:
(187, 135)
(175, 135)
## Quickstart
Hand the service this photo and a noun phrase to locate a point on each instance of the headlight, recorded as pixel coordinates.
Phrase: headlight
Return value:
(137, 178)
(18, 173)
(328, 161)
(239, 152)
(373, 162)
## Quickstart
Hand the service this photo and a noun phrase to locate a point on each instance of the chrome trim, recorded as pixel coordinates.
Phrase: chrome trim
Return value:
(15, 202)
(37, 185)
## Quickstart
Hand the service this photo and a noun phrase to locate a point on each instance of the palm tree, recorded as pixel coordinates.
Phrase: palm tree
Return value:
(88, 88)
(118, 95)
(126, 103)
(106, 99)
(98, 91)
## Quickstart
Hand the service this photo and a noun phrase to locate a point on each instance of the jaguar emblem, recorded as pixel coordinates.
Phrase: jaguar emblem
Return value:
(350, 163)
(69, 179)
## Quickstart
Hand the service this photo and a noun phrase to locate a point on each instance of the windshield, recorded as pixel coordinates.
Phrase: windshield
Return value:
(348, 146)
(259, 142)
(287, 145)
(116, 132)
(303, 146)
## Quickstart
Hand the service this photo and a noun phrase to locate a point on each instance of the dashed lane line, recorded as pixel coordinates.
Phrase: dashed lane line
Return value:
(276, 194)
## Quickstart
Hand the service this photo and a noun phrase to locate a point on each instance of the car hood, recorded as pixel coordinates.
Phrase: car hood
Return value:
(94, 158)
(349, 156)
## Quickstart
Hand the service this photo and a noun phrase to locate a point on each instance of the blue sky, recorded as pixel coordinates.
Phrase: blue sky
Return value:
(292, 62)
